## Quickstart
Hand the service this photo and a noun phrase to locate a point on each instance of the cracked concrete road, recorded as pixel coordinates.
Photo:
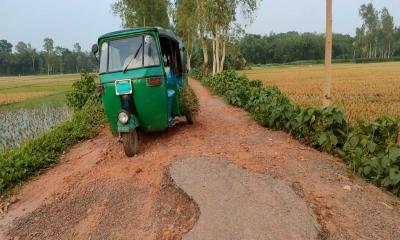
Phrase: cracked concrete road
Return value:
(238, 204)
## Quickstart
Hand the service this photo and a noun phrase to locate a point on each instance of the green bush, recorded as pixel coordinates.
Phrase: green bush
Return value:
(19, 164)
(189, 103)
(370, 149)
(83, 90)
(372, 152)
(196, 73)
(324, 128)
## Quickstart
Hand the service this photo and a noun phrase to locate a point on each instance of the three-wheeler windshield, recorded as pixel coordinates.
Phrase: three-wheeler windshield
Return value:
(128, 53)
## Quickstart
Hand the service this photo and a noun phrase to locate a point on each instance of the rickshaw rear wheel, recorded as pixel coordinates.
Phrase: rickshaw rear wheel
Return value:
(131, 142)
(189, 119)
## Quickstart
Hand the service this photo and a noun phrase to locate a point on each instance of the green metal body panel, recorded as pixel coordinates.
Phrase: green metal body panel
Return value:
(132, 124)
(150, 102)
(112, 105)
(175, 100)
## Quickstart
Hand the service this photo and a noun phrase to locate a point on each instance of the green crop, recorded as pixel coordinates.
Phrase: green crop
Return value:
(22, 162)
(40, 152)
(189, 103)
(370, 149)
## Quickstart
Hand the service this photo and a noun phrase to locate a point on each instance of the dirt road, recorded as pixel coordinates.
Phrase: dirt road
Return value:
(95, 192)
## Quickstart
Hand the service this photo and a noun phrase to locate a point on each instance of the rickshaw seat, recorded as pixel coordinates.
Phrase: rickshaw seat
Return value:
(170, 93)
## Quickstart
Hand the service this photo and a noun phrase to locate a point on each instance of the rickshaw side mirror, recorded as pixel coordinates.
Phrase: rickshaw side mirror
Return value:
(95, 51)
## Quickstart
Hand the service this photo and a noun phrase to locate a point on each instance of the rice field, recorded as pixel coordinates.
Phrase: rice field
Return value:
(9, 98)
(18, 126)
(365, 91)
(34, 91)
(30, 106)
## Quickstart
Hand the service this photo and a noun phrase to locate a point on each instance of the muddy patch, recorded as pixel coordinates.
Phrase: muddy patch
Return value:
(176, 211)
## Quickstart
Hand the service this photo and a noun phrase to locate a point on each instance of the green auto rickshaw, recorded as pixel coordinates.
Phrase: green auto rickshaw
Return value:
(142, 72)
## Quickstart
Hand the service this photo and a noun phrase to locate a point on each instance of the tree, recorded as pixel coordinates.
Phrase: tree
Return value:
(219, 18)
(135, 13)
(23, 59)
(186, 26)
(396, 42)
(202, 25)
(371, 24)
(77, 48)
(78, 56)
(21, 47)
(5, 47)
(48, 47)
(387, 31)
(32, 54)
(359, 42)
(59, 53)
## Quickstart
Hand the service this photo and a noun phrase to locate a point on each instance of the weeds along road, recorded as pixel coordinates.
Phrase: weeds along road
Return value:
(95, 192)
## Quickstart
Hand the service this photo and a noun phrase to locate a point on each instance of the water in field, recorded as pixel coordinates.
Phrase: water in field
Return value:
(18, 126)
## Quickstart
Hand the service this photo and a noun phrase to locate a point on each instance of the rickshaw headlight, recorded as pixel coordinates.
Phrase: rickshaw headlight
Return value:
(123, 117)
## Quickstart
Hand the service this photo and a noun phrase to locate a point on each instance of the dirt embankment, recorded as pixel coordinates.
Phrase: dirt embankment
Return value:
(98, 193)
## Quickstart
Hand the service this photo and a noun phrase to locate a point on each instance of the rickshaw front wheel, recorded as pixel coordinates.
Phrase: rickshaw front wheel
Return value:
(131, 142)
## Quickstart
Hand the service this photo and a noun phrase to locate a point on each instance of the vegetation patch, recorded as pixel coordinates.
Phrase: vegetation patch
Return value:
(83, 91)
(365, 91)
(21, 125)
(189, 103)
(8, 98)
(39, 153)
(25, 161)
(370, 149)
(30, 92)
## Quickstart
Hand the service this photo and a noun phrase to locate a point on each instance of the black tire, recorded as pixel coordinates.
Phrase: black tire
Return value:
(189, 119)
(131, 143)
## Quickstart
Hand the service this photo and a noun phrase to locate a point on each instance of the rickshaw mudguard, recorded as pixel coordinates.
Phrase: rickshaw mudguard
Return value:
(132, 124)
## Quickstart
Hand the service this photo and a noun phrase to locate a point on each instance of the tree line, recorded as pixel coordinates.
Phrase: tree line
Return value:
(293, 46)
(215, 39)
(26, 59)
(208, 24)
(377, 38)
(377, 35)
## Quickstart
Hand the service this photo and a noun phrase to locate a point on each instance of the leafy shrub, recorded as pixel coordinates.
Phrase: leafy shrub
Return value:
(324, 128)
(372, 152)
(83, 90)
(196, 73)
(189, 103)
(270, 107)
(39, 153)
(369, 148)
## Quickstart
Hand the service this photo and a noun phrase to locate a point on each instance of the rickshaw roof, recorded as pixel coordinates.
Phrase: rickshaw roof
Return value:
(161, 31)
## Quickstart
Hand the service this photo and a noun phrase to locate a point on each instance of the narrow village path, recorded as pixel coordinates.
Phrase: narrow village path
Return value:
(95, 192)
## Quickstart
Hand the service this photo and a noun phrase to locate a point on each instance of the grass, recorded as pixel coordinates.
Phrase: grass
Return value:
(45, 149)
(34, 91)
(37, 126)
(31, 105)
(366, 91)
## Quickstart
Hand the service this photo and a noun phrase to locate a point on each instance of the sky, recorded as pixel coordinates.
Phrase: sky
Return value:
(83, 21)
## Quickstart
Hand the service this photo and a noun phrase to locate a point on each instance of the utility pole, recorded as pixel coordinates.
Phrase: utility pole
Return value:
(326, 89)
